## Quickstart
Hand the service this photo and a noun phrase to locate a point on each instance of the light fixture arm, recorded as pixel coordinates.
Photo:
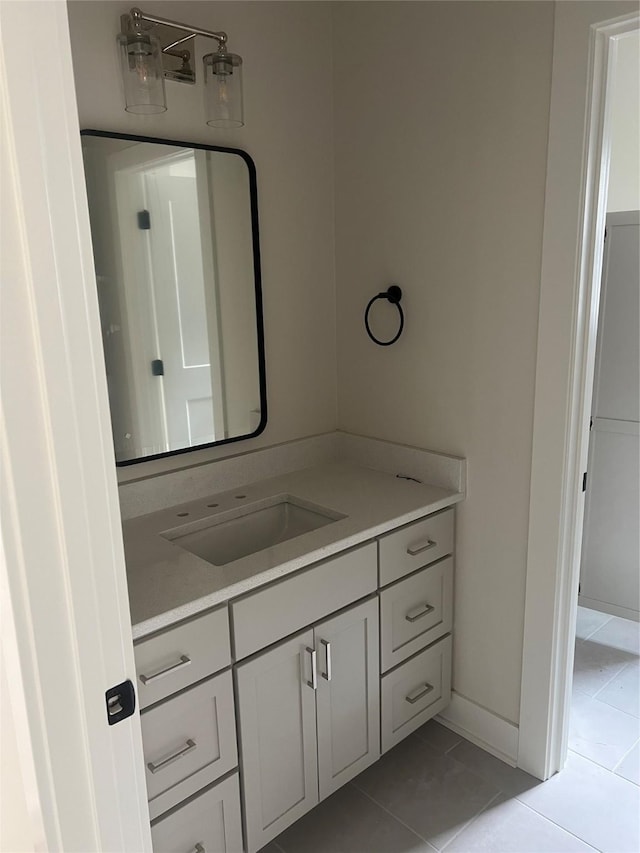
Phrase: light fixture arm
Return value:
(144, 69)
(137, 15)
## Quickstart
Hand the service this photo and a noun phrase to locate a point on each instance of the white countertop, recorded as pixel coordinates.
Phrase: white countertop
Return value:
(168, 583)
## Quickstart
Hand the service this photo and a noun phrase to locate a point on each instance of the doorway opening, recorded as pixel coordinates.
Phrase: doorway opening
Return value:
(585, 57)
(605, 703)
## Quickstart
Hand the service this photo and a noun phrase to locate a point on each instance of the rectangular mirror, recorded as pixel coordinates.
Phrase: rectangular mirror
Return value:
(176, 251)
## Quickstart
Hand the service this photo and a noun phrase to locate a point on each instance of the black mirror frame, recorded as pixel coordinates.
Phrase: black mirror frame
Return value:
(253, 198)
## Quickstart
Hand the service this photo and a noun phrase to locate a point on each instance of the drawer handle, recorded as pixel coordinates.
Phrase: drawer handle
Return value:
(419, 693)
(414, 550)
(313, 684)
(184, 661)
(188, 747)
(419, 612)
(327, 646)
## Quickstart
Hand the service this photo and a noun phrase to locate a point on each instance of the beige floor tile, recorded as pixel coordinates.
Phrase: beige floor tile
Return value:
(623, 692)
(432, 794)
(629, 767)
(508, 826)
(595, 665)
(349, 822)
(591, 803)
(508, 779)
(589, 621)
(438, 737)
(619, 633)
(600, 732)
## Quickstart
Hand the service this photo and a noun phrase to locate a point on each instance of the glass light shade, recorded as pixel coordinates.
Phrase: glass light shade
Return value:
(223, 89)
(142, 72)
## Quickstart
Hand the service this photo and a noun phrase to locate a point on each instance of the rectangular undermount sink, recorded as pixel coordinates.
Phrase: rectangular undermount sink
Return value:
(250, 528)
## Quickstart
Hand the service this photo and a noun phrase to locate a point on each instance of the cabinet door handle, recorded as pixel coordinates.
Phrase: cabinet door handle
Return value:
(419, 612)
(313, 684)
(184, 661)
(327, 646)
(188, 747)
(419, 693)
(414, 550)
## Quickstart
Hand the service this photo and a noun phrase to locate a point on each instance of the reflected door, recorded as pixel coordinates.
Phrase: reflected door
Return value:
(190, 381)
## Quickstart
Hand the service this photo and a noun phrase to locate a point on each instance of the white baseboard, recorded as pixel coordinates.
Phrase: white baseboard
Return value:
(484, 728)
(611, 609)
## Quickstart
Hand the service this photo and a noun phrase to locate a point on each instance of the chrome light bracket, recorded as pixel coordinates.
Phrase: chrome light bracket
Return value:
(177, 62)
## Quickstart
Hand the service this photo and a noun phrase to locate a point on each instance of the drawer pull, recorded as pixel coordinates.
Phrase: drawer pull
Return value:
(313, 684)
(188, 747)
(414, 550)
(419, 612)
(327, 646)
(184, 661)
(419, 693)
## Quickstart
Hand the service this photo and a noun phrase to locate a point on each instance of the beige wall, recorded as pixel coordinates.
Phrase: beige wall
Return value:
(288, 132)
(441, 122)
(441, 116)
(624, 175)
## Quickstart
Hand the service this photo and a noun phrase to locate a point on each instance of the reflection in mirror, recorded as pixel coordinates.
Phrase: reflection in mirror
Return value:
(175, 243)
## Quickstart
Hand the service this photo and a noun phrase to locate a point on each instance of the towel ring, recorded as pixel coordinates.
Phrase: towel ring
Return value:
(393, 295)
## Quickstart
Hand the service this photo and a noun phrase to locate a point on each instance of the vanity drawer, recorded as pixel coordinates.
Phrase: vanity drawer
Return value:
(416, 611)
(415, 545)
(171, 660)
(264, 617)
(208, 822)
(414, 692)
(193, 733)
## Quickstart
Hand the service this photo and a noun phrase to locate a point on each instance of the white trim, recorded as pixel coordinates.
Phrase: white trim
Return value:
(68, 631)
(482, 727)
(575, 209)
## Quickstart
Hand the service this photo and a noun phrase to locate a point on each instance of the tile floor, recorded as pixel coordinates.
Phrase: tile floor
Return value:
(437, 791)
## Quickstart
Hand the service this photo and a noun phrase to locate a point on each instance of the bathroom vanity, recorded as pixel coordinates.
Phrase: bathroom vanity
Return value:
(286, 635)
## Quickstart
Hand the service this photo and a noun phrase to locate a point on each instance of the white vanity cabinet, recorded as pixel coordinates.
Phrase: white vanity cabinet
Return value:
(208, 822)
(309, 718)
(416, 605)
(185, 690)
(277, 725)
(319, 672)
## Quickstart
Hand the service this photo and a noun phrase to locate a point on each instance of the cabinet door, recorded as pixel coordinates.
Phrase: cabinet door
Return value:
(277, 713)
(188, 740)
(348, 697)
(208, 822)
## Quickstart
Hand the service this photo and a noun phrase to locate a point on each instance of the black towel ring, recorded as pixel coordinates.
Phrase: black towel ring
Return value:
(393, 295)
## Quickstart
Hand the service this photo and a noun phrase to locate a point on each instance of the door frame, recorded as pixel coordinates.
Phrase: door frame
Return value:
(575, 209)
(65, 631)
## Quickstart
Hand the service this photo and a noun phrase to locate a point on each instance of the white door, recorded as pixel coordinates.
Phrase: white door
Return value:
(168, 279)
(65, 628)
(610, 568)
(181, 310)
(348, 699)
(277, 722)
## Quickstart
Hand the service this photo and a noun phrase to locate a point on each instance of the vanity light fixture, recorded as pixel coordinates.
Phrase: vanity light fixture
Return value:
(143, 63)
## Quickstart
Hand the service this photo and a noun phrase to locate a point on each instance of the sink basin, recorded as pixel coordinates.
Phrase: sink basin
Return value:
(252, 528)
